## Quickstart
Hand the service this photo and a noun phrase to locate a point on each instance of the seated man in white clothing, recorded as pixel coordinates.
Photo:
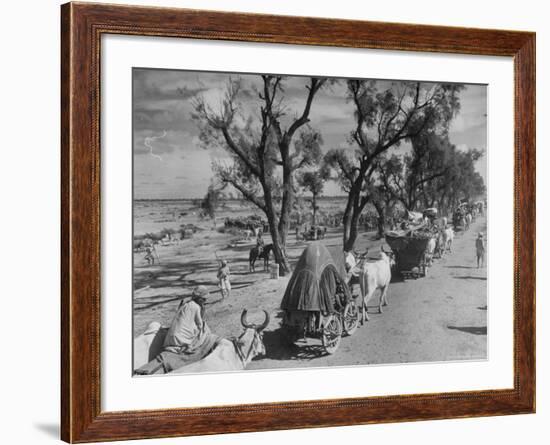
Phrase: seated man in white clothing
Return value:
(188, 339)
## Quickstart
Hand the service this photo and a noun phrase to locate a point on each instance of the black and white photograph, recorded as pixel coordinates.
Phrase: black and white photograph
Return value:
(278, 222)
(284, 221)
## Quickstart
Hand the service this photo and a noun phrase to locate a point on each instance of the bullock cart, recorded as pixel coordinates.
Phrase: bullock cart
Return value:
(410, 250)
(317, 302)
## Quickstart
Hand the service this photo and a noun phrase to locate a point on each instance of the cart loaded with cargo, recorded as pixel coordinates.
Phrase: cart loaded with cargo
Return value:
(317, 302)
(413, 249)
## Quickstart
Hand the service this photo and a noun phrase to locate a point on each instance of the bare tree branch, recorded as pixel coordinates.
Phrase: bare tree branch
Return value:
(249, 195)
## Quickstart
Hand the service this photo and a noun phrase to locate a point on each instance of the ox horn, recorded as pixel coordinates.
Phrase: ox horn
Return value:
(244, 320)
(246, 324)
(265, 323)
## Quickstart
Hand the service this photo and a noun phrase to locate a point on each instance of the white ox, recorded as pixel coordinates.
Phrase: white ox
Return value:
(440, 244)
(228, 355)
(468, 219)
(448, 237)
(375, 275)
(430, 251)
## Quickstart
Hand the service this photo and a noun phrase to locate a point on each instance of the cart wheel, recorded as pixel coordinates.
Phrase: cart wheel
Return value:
(350, 318)
(332, 333)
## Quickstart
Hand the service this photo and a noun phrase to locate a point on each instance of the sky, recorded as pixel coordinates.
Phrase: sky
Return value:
(170, 163)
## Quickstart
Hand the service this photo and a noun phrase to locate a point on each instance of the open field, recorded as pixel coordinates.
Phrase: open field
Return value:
(436, 318)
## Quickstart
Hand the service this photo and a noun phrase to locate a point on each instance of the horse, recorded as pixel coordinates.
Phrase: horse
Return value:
(256, 253)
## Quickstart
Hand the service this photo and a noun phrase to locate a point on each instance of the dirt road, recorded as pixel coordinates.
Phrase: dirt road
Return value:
(442, 316)
(439, 317)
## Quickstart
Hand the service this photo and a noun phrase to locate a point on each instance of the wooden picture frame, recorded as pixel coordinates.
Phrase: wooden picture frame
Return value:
(82, 26)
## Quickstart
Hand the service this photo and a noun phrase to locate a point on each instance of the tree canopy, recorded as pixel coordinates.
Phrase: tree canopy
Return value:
(385, 116)
(267, 145)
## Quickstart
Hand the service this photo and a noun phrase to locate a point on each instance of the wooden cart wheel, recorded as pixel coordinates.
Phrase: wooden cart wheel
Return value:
(332, 334)
(350, 318)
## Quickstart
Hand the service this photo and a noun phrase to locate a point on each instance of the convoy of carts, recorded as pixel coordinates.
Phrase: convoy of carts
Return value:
(319, 304)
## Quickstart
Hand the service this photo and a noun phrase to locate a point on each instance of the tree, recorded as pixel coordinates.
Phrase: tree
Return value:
(462, 180)
(384, 118)
(314, 182)
(383, 202)
(265, 153)
(211, 201)
(434, 174)
(408, 178)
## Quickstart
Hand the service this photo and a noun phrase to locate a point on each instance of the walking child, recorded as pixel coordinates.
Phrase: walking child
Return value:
(223, 279)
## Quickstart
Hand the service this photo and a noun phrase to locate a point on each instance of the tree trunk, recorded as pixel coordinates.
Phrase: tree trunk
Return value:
(286, 205)
(381, 209)
(442, 206)
(346, 221)
(357, 208)
(314, 202)
(354, 208)
(353, 231)
(279, 251)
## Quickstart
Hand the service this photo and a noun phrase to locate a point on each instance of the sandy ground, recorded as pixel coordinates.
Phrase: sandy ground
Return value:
(440, 317)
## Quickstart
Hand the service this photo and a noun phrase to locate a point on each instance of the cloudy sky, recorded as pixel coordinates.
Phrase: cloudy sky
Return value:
(168, 159)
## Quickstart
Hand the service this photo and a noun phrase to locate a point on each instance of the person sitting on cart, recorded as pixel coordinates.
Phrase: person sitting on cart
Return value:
(188, 339)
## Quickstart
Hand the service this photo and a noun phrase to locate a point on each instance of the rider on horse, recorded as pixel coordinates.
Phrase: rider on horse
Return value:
(260, 242)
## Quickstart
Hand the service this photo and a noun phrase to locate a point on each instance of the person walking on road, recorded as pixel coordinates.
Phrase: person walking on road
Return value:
(150, 254)
(480, 250)
(223, 279)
